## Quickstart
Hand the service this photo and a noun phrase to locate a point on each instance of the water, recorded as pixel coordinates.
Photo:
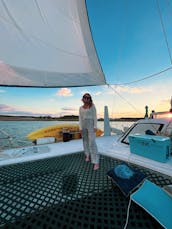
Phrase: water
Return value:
(15, 132)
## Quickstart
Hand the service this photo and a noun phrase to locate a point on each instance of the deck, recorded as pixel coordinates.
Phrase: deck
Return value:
(65, 192)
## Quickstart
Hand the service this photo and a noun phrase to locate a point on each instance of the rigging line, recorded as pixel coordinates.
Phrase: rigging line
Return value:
(123, 98)
(145, 78)
(164, 31)
(169, 4)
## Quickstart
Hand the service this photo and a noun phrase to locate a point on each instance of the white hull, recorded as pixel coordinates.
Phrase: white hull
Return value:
(107, 145)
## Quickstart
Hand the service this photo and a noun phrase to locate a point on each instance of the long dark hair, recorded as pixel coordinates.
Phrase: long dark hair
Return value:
(90, 101)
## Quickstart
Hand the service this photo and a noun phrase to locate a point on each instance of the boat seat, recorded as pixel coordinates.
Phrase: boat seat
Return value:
(156, 201)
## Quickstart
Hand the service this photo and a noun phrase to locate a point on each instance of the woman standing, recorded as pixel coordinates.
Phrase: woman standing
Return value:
(88, 127)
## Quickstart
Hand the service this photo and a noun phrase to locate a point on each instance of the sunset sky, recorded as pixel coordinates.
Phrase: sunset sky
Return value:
(131, 46)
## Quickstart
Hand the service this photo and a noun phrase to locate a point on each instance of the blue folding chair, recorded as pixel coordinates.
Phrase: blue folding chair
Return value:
(155, 201)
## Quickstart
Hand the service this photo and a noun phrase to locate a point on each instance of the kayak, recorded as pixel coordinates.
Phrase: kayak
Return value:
(61, 132)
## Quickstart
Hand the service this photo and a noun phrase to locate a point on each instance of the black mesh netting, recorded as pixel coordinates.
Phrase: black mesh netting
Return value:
(65, 192)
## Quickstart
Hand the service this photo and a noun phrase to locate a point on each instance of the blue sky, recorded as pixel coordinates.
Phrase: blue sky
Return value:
(130, 43)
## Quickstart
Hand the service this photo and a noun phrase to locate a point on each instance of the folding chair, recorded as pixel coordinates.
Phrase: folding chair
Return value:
(155, 201)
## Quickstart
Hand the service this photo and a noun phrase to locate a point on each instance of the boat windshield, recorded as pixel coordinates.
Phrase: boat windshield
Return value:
(141, 128)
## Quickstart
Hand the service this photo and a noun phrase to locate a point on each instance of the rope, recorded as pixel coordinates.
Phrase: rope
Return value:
(123, 98)
(164, 31)
(5, 133)
(146, 77)
(128, 212)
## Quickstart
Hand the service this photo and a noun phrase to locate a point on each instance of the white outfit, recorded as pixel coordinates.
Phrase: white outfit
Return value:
(87, 123)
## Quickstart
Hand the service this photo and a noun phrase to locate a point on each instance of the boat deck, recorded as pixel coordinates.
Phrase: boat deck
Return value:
(65, 192)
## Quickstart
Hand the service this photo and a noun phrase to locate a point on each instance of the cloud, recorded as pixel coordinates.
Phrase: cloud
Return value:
(17, 111)
(165, 104)
(64, 92)
(137, 90)
(6, 108)
(69, 109)
(51, 100)
(129, 90)
(84, 92)
(165, 101)
(97, 93)
(91, 93)
(67, 113)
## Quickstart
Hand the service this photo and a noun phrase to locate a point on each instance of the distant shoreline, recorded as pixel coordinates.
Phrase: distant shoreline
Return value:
(64, 118)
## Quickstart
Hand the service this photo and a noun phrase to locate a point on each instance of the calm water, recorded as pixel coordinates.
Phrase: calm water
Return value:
(18, 130)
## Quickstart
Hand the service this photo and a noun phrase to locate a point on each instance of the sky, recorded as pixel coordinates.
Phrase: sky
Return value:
(134, 48)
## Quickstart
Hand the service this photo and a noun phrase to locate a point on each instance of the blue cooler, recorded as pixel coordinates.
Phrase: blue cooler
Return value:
(155, 147)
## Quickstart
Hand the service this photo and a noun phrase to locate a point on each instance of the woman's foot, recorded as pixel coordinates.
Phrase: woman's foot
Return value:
(96, 167)
(87, 158)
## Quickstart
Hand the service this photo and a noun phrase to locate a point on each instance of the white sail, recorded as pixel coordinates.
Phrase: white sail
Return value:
(47, 43)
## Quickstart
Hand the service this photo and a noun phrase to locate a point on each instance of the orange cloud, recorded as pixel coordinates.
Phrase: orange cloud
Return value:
(64, 92)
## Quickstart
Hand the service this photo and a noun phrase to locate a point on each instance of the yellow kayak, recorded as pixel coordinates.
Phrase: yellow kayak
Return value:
(59, 131)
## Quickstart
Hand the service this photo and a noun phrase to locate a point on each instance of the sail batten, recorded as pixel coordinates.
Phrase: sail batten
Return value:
(48, 45)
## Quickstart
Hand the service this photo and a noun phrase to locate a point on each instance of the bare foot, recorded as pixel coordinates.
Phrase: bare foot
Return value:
(96, 167)
(87, 158)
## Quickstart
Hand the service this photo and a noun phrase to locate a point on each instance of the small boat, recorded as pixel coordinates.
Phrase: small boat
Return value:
(57, 133)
